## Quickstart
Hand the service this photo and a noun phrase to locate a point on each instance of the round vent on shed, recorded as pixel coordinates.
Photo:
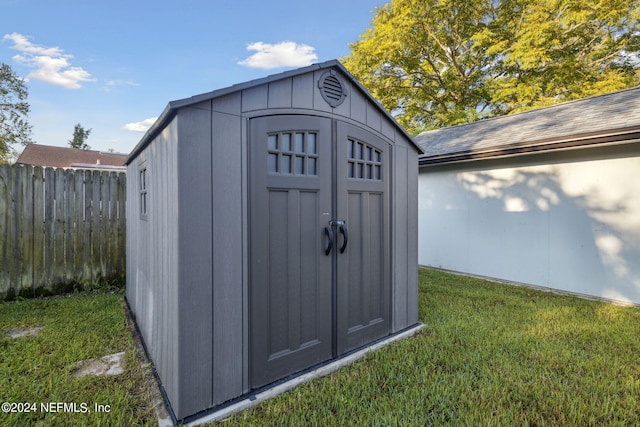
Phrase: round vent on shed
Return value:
(332, 89)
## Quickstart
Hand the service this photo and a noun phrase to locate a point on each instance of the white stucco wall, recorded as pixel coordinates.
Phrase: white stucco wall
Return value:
(569, 221)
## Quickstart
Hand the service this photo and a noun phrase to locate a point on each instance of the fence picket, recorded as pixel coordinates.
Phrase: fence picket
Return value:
(122, 222)
(27, 238)
(49, 231)
(112, 232)
(60, 273)
(96, 223)
(70, 217)
(79, 252)
(104, 220)
(39, 224)
(19, 176)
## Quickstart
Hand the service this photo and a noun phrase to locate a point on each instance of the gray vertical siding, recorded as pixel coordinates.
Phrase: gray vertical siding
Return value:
(280, 94)
(302, 91)
(152, 255)
(357, 106)
(405, 235)
(245, 253)
(255, 98)
(411, 263)
(400, 231)
(228, 243)
(195, 245)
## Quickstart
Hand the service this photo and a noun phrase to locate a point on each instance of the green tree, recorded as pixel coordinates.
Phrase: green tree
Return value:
(80, 136)
(419, 59)
(550, 51)
(14, 111)
(436, 63)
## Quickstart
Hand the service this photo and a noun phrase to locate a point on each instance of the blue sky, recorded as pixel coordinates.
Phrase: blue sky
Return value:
(113, 66)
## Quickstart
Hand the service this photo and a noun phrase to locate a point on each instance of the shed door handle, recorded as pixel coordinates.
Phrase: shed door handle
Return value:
(345, 234)
(329, 233)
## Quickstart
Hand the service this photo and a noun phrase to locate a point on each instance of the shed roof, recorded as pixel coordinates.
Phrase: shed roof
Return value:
(170, 110)
(67, 157)
(612, 118)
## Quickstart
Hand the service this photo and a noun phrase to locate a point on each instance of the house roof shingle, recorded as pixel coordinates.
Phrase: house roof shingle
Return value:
(608, 118)
(66, 157)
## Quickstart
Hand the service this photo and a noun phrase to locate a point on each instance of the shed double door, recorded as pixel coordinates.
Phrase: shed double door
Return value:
(319, 242)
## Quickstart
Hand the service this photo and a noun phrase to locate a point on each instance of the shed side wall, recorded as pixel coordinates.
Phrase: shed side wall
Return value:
(404, 237)
(152, 254)
(569, 221)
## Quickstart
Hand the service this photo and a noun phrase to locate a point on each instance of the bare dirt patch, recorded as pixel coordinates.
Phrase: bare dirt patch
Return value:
(112, 364)
(19, 332)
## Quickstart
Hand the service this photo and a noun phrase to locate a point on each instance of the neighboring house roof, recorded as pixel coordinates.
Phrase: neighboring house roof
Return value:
(66, 157)
(612, 118)
(173, 106)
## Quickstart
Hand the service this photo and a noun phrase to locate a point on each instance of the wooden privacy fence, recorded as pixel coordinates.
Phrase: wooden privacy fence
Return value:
(59, 226)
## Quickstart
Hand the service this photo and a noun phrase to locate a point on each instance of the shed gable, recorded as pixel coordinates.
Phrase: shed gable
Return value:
(289, 92)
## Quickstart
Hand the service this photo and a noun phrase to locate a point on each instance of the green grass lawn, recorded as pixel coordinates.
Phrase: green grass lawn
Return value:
(490, 354)
(36, 369)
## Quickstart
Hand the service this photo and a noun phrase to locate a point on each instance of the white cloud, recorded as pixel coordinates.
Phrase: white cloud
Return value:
(111, 84)
(142, 126)
(121, 83)
(49, 64)
(283, 54)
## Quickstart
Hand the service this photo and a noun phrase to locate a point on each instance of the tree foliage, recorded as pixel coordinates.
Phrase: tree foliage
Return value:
(436, 63)
(80, 136)
(14, 110)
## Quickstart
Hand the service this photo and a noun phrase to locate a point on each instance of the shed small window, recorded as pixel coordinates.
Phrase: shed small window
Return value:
(292, 153)
(144, 199)
(365, 162)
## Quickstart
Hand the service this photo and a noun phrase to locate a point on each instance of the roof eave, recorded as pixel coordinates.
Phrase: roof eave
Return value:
(618, 137)
(152, 132)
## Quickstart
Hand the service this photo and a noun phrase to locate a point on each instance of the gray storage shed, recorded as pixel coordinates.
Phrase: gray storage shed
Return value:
(271, 227)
